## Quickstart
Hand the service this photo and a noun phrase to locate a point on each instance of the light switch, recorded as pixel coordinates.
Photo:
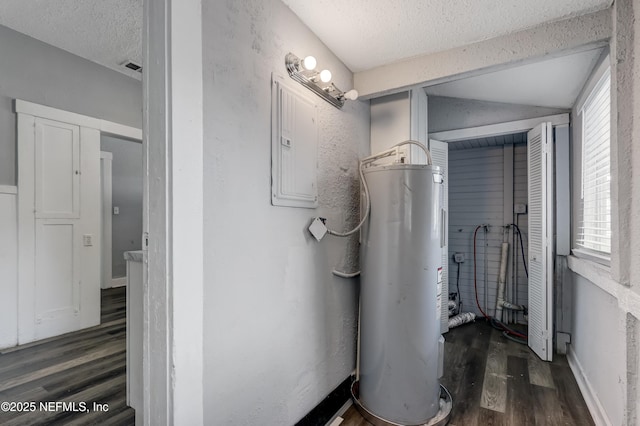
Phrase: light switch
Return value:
(116, 210)
(87, 240)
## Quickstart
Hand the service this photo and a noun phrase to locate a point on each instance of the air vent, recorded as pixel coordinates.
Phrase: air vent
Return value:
(132, 66)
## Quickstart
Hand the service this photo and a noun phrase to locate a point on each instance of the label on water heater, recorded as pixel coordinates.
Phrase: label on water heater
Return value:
(439, 294)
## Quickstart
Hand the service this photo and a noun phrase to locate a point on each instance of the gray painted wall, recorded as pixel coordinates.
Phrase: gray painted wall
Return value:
(127, 196)
(40, 73)
(598, 332)
(454, 113)
(279, 328)
(597, 342)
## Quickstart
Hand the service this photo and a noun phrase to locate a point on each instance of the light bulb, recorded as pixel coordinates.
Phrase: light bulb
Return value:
(325, 76)
(309, 63)
(352, 95)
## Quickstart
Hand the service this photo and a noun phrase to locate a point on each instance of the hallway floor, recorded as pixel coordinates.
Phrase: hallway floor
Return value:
(495, 381)
(84, 366)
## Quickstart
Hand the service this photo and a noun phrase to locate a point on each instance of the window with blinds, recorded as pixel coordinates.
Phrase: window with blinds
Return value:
(595, 232)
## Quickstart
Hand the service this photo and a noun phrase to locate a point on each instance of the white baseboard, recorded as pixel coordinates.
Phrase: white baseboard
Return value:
(119, 282)
(590, 398)
(8, 189)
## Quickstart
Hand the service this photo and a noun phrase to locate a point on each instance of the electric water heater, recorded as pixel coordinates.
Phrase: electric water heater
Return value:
(401, 263)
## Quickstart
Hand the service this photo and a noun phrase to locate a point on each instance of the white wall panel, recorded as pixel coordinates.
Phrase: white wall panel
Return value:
(8, 269)
(520, 196)
(476, 196)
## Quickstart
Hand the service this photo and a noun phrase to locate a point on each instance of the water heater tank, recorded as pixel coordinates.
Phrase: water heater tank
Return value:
(401, 265)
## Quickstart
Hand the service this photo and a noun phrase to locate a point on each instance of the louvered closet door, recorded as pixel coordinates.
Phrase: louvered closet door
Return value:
(540, 177)
(440, 156)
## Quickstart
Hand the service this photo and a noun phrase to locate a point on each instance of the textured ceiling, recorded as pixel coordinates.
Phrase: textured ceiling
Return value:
(554, 83)
(362, 33)
(365, 34)
(108, 32)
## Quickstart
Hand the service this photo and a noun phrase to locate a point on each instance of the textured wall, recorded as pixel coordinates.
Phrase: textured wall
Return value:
(127, 196)
(40, 73)
(625, 125)
(556, 37)
(454, 113)
(612, 294)
(279, 330)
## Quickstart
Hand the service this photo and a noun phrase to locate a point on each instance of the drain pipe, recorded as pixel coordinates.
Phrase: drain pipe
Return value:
(501, 280)
(462, 318)
(500, 302)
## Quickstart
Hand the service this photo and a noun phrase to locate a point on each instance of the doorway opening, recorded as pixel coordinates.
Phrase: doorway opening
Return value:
(122, 189)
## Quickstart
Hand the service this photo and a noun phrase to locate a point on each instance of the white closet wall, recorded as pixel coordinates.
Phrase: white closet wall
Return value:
(476, 196)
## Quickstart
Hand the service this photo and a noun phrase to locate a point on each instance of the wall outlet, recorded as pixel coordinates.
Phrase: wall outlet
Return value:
(458, 257)
(87, 240)
(520, 208)
(116, 210)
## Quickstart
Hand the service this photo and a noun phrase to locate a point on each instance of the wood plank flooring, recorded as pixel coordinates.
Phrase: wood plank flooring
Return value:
(85, 366)
(495, 381)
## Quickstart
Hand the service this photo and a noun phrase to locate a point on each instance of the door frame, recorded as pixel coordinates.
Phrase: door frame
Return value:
(106, 163)
(509, 127)
(26, 114)
(505, 128)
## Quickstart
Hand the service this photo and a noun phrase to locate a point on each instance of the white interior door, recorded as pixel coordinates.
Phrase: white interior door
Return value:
(57, 218)
(59, 227)
(440, 156)
(540, 185)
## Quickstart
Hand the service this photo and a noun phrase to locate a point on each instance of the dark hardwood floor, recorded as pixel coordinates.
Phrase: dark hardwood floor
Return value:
(495, 381)
(87, 366)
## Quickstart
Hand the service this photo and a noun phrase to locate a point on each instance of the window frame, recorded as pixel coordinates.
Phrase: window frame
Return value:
(602, 72)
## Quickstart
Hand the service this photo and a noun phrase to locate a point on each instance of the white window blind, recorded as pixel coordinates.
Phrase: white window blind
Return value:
(595, 232)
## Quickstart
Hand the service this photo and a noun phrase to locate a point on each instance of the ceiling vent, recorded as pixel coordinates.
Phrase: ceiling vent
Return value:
(132, 66)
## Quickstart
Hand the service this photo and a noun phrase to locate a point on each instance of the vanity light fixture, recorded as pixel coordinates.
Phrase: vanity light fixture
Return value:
(303, 71)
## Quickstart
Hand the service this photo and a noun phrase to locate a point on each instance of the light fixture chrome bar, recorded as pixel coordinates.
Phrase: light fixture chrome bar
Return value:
(297, 73)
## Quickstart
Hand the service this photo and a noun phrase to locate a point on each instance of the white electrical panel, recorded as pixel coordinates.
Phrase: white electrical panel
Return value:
(294, 145)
